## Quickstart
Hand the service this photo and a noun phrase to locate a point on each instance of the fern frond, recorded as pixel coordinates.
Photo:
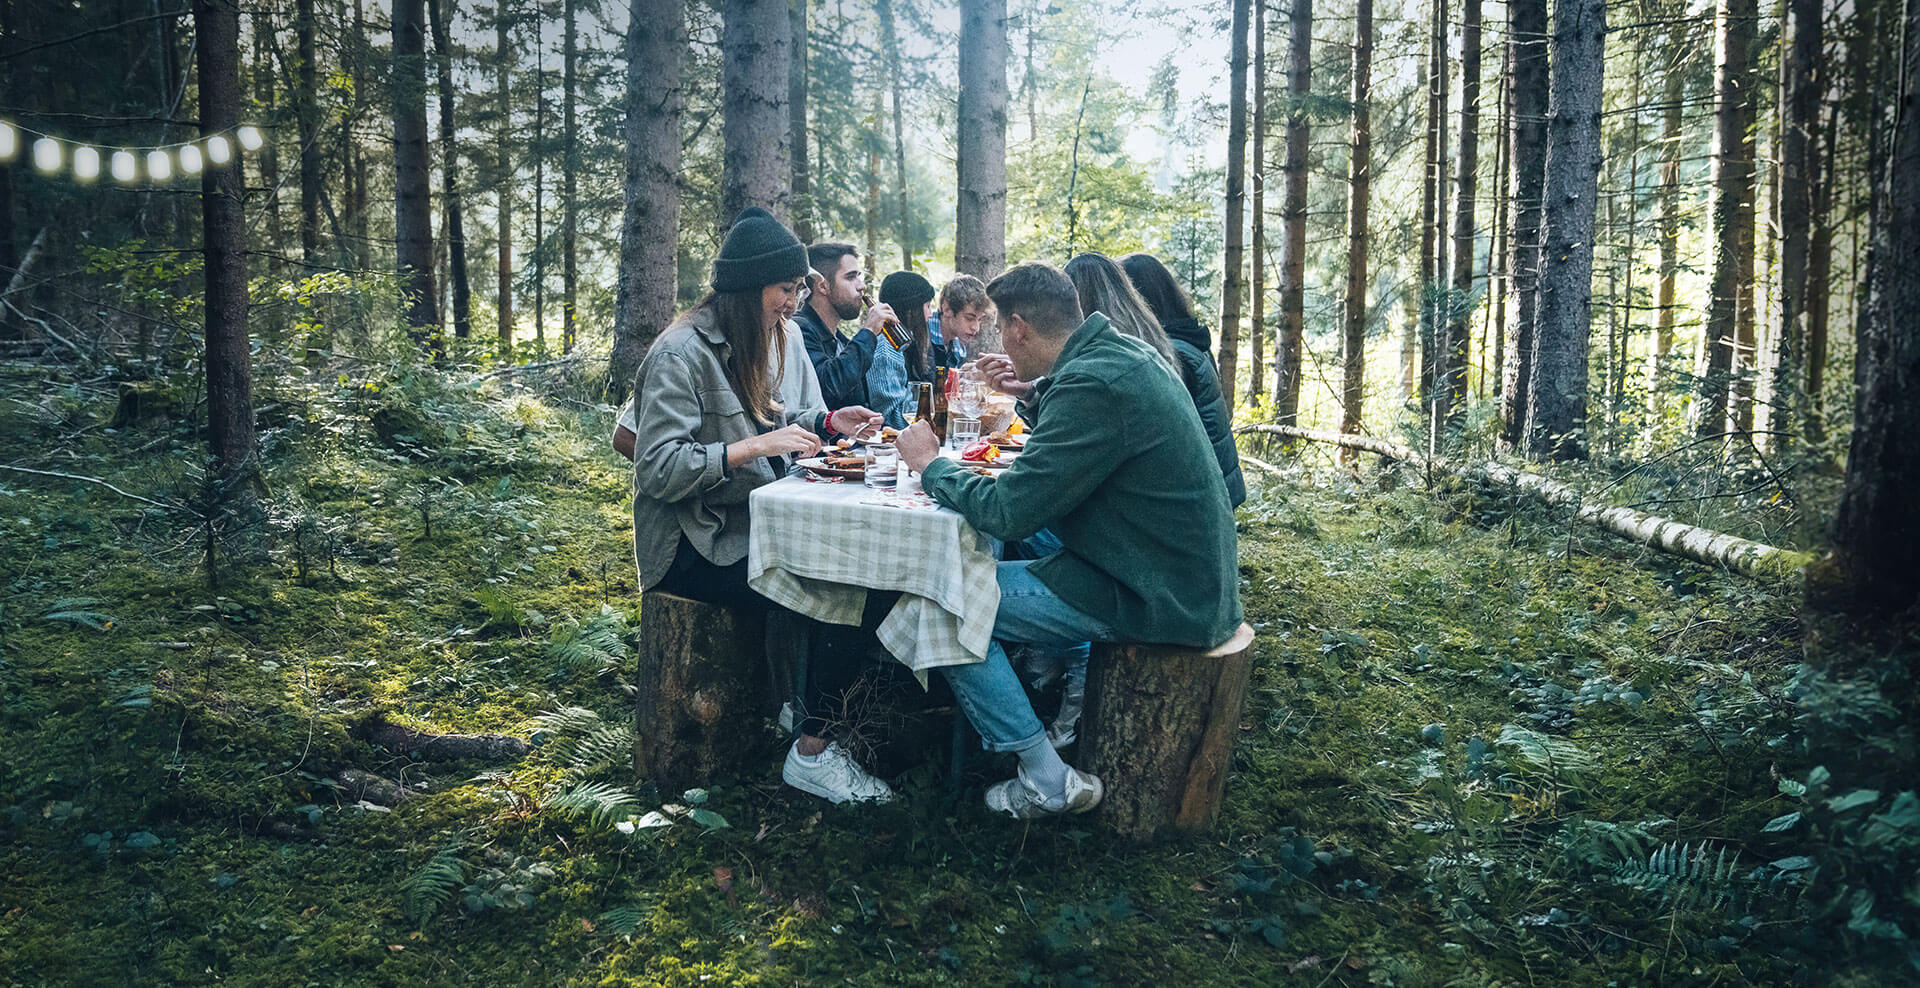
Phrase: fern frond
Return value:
(609, 747)
(622, 921)
(1685, 877)
(1558, 756)
(92, 619)
(568, 721)
(597, 642)
(426, 890)
(603, 803)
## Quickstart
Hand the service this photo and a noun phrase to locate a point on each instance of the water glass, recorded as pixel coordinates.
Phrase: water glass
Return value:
(883, 466)
(963, 431)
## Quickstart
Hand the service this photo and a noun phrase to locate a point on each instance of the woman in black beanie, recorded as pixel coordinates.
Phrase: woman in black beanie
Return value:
(892, 369)
(710, 426)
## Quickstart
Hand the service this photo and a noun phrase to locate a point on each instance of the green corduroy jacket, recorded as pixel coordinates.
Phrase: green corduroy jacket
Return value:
(1119, 467)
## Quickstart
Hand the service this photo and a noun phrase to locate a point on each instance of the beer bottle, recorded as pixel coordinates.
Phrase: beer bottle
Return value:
(939, 401)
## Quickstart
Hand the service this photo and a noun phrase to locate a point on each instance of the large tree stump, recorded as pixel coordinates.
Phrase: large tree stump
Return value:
(703, 695)
(1159, 728)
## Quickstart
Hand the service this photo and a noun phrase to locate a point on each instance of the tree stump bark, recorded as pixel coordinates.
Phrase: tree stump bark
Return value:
(1160, 724)
(702, 696)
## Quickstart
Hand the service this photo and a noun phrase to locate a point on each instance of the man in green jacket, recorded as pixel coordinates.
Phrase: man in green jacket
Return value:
(1119, 468)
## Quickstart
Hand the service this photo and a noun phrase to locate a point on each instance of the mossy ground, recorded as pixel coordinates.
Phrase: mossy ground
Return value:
(1466, 718)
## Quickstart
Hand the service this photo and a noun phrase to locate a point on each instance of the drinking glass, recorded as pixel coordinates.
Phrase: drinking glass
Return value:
(964, 408)
(883, 466)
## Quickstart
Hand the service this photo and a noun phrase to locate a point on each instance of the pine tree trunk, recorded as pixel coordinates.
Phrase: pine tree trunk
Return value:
(1257, 322)
(980, 219)
(1353, 356)
(230, 429)
(570, 176)
(1233, 276)
(756, 49)
(650, 223)
(441, 12)
(264, 47)
(1820, 282)
(873, 179)
(1290, 344)
(1526, 97)
(1876, 531)
(503, 150)
(1669, 226)
(797, 121)
(1801, 77)
(1500, 273)
(539, 189)
(1433, 79)
(312, 179)
(413, 222)
(1463, 225)
(1732, 168)
(1557, 395)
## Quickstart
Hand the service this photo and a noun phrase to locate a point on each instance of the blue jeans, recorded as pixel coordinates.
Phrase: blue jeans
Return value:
(992, 696)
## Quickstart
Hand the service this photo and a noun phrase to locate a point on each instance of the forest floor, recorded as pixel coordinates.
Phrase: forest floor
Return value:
(1482, 746)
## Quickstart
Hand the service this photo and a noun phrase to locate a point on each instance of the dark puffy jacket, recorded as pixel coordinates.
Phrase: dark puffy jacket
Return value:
(1193, 345)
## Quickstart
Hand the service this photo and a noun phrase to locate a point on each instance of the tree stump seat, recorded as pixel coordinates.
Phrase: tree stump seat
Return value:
(1159, 728)
(704, 691)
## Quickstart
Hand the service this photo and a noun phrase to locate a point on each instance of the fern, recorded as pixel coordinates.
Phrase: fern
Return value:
(603, 803)
(77, 610)
(585, 744)
(599, 642)
(622, 921)
(426, 890)
(1559, 757)
(1685, 877)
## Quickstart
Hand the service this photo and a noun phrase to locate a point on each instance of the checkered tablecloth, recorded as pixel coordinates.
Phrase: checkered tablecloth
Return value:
(816, 548)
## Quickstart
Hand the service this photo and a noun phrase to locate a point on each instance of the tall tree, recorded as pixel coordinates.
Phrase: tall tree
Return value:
(441, 13)
(980, 219)
(1526, 96)
(539, 257)
(1801, 81)
(756, 49)
(1353, 335)
(503, 151)
(890, 40)
(656, 101)
(1876, 532)
(1735, 30)
(1433, 195)
(1454, 394)
(1233, 278)
(267, 97)
(413, 222)
(307, 116)
(230, 429)
(1257, 324)
(570, 173)
(1290, 341)
(1557, 394)
(1674, 82)
(797, 121)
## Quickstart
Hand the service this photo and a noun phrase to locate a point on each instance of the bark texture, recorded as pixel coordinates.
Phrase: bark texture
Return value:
(1557, 395)
(1290, 340)
(1801, 79)
(756, 49)
(1257, 295)
(1455, 357)
(1161, 723)
(797, 120)
(441, 12)
(413, 220)
(1233, 285)
(570, 175)
(503, 149)
(701, 692)
(230, 428)
(1526, 97)
(1732, 209)
(650, 223)
(1353, 316)
(980, 219)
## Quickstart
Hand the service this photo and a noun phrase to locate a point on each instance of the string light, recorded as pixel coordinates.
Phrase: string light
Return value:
(52, 155)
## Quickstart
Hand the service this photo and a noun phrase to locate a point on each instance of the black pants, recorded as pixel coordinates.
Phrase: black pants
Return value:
(836, 653)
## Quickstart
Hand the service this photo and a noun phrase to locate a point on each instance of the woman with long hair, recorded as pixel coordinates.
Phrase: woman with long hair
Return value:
(1193, 348)
(717, 413)
(1104, 288)
(893, 370)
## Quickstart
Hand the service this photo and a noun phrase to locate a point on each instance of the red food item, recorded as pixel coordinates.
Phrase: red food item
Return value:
(981, 452)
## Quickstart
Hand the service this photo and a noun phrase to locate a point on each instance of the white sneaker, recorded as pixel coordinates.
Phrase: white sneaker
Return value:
(1019, 798)
(833, 775)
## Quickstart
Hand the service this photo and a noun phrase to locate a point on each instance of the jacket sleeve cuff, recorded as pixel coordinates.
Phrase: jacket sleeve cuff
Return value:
(716, 471)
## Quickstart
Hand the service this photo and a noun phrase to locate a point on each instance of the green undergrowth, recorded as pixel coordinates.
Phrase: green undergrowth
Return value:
(1480, 747)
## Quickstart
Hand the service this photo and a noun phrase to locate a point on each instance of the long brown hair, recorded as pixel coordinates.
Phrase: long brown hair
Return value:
(758, 358)
(913, 319)
(1104, 288)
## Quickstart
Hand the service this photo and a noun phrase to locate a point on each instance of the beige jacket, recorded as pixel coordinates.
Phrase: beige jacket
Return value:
(685, 415)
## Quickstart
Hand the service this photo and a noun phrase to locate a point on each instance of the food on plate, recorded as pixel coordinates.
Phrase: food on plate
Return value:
(983, 451)
(843, 443)
(1008, 439)
(845, 462)
(982, 471)
(889, 434)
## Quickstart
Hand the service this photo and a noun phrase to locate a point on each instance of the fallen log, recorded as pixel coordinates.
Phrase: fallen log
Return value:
(446, 747)
(1748, 558)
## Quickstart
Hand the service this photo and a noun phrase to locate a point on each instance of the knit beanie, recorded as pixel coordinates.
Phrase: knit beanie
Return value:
(904, 290)
(759, 250)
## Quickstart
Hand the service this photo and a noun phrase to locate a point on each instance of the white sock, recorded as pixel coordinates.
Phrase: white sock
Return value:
(1044, 768)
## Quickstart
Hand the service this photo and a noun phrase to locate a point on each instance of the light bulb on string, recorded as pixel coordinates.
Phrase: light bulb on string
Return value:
(159, 166)
(219, 152)
(250, 137)
(123, 166)
(46, 154)
(9, 142)
(86, 164)
(189, 159)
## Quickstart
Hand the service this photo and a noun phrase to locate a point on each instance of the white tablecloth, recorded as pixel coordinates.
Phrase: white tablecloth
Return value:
(817, 547)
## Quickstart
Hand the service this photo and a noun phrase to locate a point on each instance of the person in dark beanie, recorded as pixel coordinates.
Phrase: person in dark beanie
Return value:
(888, 392)
(715, 416)
(841, 362)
